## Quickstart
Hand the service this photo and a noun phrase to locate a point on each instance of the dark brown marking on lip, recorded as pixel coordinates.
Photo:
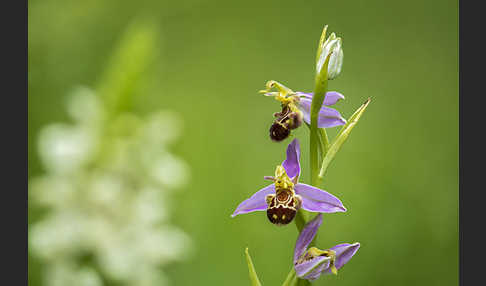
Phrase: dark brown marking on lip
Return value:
(281, 215)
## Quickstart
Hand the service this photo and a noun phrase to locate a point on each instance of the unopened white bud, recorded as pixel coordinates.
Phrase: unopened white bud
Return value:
(333, 46)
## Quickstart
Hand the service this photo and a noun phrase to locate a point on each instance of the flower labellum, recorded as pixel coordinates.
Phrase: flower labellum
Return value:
(311, 263)
(286, 195)
(279, 131)
(283, 205)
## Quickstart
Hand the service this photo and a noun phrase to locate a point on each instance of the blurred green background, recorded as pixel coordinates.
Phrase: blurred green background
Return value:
(397, 174)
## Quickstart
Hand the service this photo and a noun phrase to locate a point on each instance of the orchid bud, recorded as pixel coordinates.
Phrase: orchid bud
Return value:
(331, 46)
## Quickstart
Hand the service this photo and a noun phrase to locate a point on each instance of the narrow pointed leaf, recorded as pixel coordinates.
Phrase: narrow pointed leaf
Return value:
(251, 270)
(321, 41)
(341, 137)
(324, 140)
(290, 280)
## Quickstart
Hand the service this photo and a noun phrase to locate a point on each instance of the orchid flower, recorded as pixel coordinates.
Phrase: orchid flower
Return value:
(296, 107)
(311, 263)
(286, 195)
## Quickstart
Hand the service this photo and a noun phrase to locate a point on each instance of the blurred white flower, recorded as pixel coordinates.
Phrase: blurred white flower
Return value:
(51, 190)
(65, 273)
(170, 171)
(84, 106)
(62, 233)
(149, 207)
(64, 148)
(162, 128)
(107, 190)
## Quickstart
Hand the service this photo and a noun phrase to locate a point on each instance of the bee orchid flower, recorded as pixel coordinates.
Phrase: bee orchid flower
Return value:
(311, 263)
(296, 107)
(282, 199)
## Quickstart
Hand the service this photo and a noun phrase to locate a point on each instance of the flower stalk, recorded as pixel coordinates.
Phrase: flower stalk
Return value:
(287, 199)
(317, 100)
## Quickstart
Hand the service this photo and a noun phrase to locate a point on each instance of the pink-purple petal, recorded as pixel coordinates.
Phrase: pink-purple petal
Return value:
(306, 236)
(292, 162)
(331, 98)
(256, 202)
(317, 200)
(344, 252)
(311, 269)
(316, 273)
(328, 117)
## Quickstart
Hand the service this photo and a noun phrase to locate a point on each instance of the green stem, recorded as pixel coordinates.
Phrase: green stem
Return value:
(323, 144)
(319, 144)
(314, 161)
(318, 141)
(317, 100)
(300, 220)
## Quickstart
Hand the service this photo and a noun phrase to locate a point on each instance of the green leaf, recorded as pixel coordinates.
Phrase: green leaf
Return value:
(324, 141)
(321, 41)
(341, 137)
(251, 269)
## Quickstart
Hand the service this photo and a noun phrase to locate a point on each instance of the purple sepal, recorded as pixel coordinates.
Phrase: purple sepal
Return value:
(306, 236)
(292, 162)
(328, 117)
(317, 200)
(256, 202)
(344, 252)
(331, 98)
